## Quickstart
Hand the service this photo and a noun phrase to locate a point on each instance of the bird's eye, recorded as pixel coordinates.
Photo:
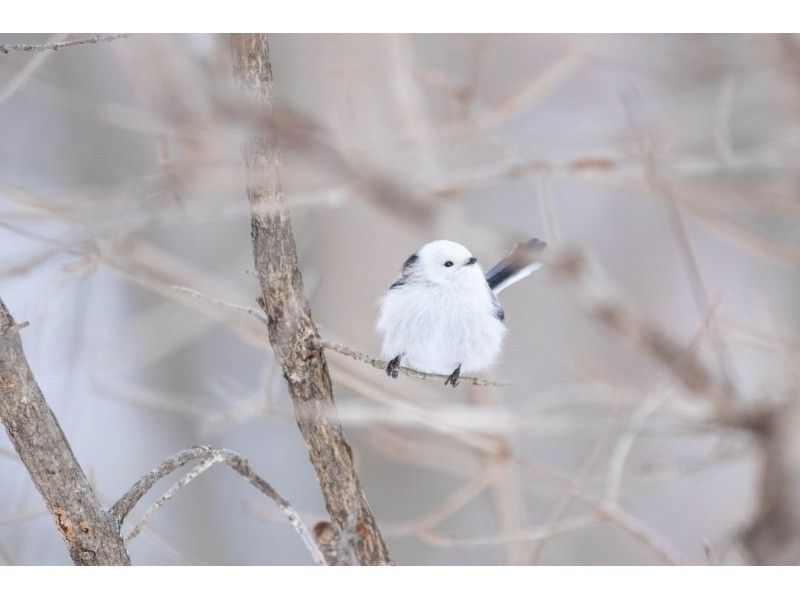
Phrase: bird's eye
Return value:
(448, 263)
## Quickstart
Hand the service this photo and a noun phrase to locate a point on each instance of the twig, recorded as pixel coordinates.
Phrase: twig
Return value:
(411, 373)
(661, 188)
(94, 39)
(15, 328)
(606, 511)
(22, 76)
(210, 455)
(173, 490)
(601, 302)
(341, 349)
(259, 315)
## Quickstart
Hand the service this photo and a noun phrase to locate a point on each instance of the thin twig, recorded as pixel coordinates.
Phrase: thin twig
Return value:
(411, 373)
(24, 74)
(259, 315)
(173, 490)
(94, 39)
(341, 349)
(236, 462)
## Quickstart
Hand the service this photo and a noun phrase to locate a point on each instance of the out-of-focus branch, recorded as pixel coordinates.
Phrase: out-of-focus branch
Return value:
(773, 535)
(601, 302)
(91, 534)
(211, 455)
(292, 331)
(94, 39)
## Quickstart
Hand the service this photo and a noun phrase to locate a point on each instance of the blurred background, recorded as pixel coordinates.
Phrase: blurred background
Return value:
(669, 161)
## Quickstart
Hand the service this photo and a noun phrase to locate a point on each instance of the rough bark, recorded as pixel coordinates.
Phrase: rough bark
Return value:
(291, 330)
(91, 534)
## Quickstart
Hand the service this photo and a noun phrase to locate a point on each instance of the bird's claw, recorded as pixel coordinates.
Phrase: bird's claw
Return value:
(452, 379)
(393, 367)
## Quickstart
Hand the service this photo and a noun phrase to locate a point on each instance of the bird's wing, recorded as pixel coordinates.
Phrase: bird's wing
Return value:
(405, 272)
(518, 264)
(498, 309)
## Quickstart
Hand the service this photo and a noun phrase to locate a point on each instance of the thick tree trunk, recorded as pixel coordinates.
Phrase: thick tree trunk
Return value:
(292, 332)
(91, 534)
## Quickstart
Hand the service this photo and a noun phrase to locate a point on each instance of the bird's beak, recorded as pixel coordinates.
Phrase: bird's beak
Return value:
(470, 261)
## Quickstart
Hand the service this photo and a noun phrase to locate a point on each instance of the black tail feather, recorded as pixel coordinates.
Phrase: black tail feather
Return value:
(522, 256)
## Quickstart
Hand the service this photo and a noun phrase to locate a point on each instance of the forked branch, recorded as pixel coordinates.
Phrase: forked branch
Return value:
(210, 455)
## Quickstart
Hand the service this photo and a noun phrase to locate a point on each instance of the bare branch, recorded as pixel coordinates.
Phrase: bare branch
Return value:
(184, 481)
(336, 347)
(242, 308)
(94, 39)
(411, 373)
(210, 455)
(92, 536)
(601, 302)
(291, 329)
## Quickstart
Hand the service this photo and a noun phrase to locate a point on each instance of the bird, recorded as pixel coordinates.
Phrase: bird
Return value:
(441, 315)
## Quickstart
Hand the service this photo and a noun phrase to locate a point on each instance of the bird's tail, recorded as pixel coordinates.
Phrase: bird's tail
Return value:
(519, 263)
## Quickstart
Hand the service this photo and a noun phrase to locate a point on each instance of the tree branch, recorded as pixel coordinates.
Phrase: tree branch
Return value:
(411, 373)
(291, 329)
(602, 303)
(772, 537)
(92, 536)
(94, 39)
(337, 348)
(209, 455)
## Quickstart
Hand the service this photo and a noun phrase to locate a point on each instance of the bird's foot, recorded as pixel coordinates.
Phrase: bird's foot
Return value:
(393, 367)
(452, 379)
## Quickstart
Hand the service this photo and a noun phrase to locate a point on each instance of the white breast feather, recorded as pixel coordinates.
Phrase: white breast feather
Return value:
(435, 328)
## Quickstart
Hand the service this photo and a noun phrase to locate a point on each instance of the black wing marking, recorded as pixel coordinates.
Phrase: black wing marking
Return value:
(498, 309)
(522, 256)
(404, 273)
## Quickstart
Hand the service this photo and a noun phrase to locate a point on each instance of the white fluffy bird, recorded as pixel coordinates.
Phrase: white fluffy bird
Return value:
(442, 316)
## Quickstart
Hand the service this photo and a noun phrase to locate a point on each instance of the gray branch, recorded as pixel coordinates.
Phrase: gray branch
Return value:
(291, 329)
(410, 372)
(91, 534)
(94, 39)
(235, 461)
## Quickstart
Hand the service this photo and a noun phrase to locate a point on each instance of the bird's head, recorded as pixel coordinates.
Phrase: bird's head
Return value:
(445, 262)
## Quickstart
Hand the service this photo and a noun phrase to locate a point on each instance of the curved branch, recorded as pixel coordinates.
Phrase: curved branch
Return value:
(235, 461)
